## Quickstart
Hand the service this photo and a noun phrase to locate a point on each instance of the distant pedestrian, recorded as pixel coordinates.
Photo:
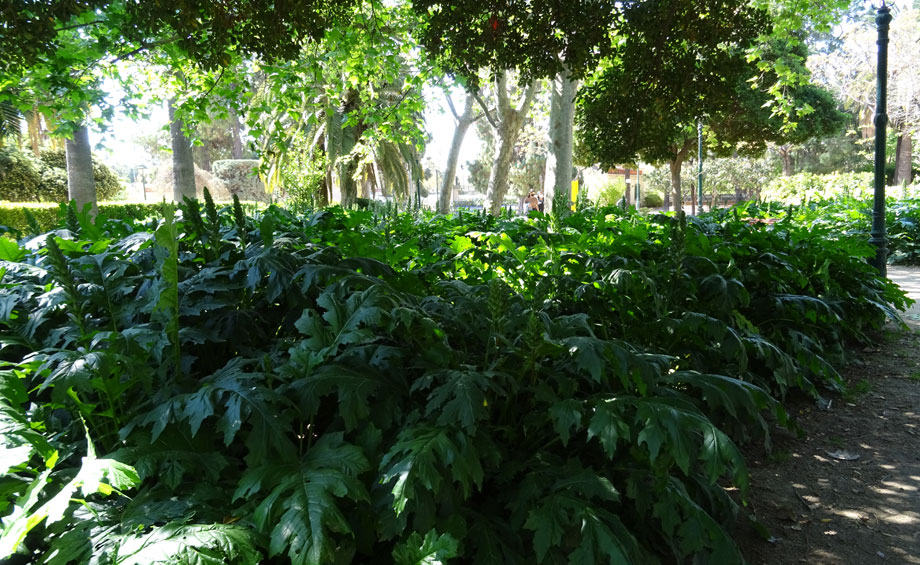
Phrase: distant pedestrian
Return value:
(540, 201)
(532, 202)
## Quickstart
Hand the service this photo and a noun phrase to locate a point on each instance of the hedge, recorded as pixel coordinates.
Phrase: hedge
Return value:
(26, 179)
(13, 217)
(49, 216)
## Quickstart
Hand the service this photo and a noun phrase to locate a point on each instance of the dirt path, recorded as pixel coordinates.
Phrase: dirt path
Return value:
(848, 491)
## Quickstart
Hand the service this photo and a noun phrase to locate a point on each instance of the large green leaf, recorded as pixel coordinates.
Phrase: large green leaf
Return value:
(302, 510)
(423, 457)
(433, 549)
(190, 544)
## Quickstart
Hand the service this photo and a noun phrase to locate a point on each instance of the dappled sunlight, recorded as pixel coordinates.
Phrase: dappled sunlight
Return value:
(899, 486)
(899, 519)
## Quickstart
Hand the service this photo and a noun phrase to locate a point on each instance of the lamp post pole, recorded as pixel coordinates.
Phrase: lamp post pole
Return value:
(699, 171)
(142, 170)
(878, 235)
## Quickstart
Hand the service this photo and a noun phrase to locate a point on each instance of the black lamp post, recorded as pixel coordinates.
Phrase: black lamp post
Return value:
(878, 234)
(699, 171)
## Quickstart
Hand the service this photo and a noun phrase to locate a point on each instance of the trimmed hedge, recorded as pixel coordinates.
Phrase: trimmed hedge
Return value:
(240, 178)
(19, 177)
(25, 179)
(49, 216)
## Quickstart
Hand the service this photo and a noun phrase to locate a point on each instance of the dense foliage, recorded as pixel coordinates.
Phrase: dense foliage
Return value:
(852, 217)
(340, 387)
(24, 179)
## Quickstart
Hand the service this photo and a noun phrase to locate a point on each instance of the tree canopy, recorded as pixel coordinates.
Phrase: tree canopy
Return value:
(646, 107)
(206, 31)
(536, 38)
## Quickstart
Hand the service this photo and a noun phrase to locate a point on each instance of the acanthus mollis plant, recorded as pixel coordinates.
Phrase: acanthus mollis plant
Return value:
(354, 388)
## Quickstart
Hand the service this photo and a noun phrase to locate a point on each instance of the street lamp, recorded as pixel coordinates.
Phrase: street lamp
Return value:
(699, 172)
(628, 192)
(142, 172)
(878, 235)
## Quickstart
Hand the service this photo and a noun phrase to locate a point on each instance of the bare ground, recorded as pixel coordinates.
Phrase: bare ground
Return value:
(848, 490)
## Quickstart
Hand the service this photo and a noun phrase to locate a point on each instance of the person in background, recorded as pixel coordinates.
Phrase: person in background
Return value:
(540, 201)
(532, 202)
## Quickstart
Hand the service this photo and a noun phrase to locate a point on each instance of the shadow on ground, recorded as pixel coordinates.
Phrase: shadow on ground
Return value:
(848, 491)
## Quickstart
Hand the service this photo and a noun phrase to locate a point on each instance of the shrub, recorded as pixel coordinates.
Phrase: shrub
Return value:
(807, 187)
(23, 179)
(48, 216)
(302, 185)
(652, 200)
(240, 178)
(53, 170)
(20, 180)
(611, 193)
(346, 386)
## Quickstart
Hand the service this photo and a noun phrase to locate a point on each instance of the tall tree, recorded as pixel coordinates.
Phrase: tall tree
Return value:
(648, 107)
(506, 121)
(57, 52)
(561, 135)
(848, 69)
(81, 187)
(464, 119)
(358, 103)
(183, 169)
(678, 65)
(547, 38)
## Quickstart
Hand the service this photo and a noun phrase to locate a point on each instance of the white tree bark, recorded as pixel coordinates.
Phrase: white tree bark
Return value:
(903, 159)
(81, 188)
(675, 164)
(183, 163)
(464, 121)
(507, 127)
(562, 126)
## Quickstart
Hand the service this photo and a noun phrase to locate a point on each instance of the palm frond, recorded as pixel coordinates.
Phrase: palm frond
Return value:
(10, 120)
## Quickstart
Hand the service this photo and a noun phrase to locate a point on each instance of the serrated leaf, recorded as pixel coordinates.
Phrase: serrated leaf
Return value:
(460, 399)
(548, 521)
(608, 426)
(190, 544)
(433, 549)
(566, 414)
(418, 460)
(306, 496)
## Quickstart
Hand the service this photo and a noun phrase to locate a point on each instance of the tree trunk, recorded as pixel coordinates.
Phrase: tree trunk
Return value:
(182, 161)
(81, 188)
(204, 157)
(349, 186)
(324, 193)
(34, 126)
(903, 159)
(785, 152)
(450, 172)
(674, 165)
(680, 155)
(236, 149)
(563, 125)
(501, 166)
(508, 127)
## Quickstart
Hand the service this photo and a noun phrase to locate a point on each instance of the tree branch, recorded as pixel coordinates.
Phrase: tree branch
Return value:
(528, 96)
(501, 92)
(143, 46)
(77, 26)
(486, 112)
(450, 103)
